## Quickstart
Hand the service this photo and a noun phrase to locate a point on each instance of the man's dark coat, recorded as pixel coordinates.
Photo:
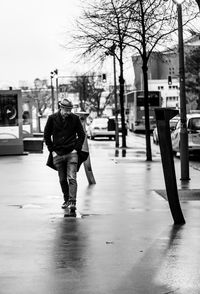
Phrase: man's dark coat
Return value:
(63, 136)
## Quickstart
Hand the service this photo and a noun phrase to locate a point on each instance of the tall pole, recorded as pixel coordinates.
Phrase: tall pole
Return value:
(184, 155)
(52, 93)
(57, 92)
(111, 51)
(56, 73)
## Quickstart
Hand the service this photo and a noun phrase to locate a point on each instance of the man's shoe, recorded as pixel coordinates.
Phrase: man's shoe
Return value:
(65, 205)
(72, 207)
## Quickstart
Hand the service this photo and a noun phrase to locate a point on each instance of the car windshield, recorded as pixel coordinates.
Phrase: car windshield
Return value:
(100, 122)
(194, 124)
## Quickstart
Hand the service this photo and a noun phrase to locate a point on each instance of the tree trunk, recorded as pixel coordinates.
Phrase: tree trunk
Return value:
(145, 78)
(198, 3)
(146, 109)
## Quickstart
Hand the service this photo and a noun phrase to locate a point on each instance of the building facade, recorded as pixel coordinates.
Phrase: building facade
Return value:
(163, 73)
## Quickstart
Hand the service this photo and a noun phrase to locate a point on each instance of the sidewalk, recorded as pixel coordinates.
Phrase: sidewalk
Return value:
(123, 241)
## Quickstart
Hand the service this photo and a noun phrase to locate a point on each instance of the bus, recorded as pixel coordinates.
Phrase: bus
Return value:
(135, 109)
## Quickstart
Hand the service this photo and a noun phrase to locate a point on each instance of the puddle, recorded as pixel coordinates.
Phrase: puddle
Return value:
(16, 205)
(31, 206)
(25, 206)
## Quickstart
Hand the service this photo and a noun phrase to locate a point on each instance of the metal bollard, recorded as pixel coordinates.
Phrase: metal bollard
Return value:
(163, 115)
(87, 164)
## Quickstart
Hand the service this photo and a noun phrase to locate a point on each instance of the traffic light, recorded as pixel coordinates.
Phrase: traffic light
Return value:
(53, 73)
(169, 80)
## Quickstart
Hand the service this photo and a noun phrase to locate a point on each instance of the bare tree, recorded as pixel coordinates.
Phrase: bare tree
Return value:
(103, 24)
(153, 21)
(142, 26)
(153, 25)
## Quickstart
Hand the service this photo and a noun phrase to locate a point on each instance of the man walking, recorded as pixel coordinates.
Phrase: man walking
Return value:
(64, 136)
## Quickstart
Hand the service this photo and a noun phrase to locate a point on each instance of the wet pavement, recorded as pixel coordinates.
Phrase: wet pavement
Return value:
(122, 241)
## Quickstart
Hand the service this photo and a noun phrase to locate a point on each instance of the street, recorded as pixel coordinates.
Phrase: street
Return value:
(122, 241)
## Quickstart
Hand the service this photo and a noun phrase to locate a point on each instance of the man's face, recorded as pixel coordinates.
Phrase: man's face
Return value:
(65, 112)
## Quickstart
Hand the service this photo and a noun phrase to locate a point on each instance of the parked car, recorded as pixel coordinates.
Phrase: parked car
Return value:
(101, 127)
(119, 122)
(193, 126)
(172, 124)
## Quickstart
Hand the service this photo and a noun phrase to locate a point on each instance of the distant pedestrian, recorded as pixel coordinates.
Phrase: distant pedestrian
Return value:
(64, 136)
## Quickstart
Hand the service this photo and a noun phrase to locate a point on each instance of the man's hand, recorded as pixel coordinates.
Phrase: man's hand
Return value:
(57, 159)
(74, 151)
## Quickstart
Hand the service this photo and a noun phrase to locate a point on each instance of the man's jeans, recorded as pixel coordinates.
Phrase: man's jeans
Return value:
(67, 169)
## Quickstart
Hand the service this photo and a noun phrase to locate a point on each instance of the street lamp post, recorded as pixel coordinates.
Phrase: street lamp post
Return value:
(111, 51)
(56, 74)
(184, 155)
(52, 91)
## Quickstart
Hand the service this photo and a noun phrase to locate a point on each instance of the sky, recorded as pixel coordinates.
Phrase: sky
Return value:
(32, 34)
